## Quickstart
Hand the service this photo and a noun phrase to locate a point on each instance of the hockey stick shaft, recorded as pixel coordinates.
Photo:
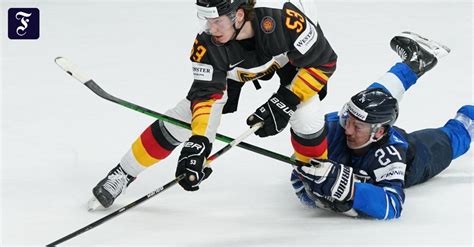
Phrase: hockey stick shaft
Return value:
(233, 143)
(157, 191)
(116, 213)
(72, 70)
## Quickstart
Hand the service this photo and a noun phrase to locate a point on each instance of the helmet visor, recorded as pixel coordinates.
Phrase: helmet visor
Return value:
(216, 25)
(343, 116)
(359, 125)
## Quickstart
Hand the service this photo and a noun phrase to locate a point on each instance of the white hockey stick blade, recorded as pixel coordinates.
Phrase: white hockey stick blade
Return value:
(437, 49)
(93, 204)
(71, 69)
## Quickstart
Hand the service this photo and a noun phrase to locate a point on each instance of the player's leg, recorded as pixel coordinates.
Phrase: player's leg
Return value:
(461, 130)
(436, 148)
(432, 155)
(419, 53)
(308, 134)
(153, 145)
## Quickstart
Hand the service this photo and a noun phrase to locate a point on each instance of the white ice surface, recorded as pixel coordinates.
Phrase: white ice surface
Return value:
(59, 139)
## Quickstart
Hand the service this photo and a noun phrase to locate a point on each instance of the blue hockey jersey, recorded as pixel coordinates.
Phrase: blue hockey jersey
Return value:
(384, 162)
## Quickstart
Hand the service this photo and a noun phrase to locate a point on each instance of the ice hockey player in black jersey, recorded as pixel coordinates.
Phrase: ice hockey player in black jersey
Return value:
(371, 161)
(238, 43)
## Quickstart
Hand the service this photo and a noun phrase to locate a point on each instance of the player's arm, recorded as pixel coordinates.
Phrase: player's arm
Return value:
(207, 98)
(381, 199)
(310, 52)
(315, 62)
(207, 93)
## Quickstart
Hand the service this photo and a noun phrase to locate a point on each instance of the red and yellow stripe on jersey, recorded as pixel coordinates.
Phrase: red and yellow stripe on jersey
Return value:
(307, 148)
(151, 146)
(201, 114)
(310, 81)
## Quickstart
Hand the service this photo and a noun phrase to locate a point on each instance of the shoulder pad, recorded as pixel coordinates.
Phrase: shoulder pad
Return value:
(294, 19)
(332, 117)
(300, 28)
(397, 139)
(199, 49)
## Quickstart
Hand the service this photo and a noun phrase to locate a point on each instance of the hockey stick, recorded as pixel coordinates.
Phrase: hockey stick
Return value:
(72, 70)
(157, 191)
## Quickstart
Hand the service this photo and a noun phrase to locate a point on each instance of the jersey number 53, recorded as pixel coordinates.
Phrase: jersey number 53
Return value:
(198, 51)
(294, 20)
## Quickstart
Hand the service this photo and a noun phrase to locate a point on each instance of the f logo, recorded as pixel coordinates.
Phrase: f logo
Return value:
(23, 23)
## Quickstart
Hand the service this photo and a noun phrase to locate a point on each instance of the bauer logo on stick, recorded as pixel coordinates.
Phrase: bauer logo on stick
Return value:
(23, 23)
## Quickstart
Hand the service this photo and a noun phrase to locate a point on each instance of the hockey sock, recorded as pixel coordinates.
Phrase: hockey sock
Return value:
(309, 146)
(153, 145)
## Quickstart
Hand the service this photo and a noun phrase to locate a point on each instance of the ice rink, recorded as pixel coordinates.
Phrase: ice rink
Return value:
(59, 139)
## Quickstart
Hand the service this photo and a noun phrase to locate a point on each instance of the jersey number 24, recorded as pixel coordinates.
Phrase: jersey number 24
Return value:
(380, 154)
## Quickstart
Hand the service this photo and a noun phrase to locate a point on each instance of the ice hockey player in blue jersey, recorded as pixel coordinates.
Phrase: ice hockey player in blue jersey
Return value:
(371, 161)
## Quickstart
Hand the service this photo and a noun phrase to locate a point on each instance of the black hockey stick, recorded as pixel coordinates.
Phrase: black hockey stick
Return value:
(72, 70)
(157, 191)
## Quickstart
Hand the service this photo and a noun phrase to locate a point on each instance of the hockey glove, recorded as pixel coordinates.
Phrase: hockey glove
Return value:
(191, 162)
(313, 201)
(325, 178)
(276, 113)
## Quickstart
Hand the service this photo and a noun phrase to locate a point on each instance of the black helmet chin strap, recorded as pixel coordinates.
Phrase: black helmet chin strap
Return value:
(237, 30)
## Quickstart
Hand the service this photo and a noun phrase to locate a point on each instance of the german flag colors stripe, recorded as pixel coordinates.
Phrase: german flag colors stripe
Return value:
(306, 159)
(316, 151)
(147, 149)
(305, 149)
(201, 112)
(308, 82)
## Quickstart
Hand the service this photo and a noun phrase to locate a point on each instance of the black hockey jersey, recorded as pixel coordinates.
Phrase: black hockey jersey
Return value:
(285, 40)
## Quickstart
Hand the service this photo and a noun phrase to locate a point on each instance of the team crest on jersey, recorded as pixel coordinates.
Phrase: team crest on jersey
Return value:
(267, 24)
(248, 76)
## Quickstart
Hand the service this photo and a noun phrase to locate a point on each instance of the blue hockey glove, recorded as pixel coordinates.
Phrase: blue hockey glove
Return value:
(275, 113)
(300, 191)
(327, 179)
(191, 162)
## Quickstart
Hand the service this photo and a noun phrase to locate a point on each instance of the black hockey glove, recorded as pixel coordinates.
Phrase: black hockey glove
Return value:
(311, 200)
(276, 113)
(325, 178)
(191, 162)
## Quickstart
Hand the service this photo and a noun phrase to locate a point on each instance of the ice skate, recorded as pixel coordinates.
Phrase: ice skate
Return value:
(437, 49)
(420, 53)
(93, 204)
(109, 188)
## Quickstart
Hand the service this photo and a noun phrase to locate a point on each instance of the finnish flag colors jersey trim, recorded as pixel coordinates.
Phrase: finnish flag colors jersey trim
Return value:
(397, 80)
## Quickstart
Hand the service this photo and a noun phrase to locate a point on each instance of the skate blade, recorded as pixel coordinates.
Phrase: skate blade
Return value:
(437, 49)
(93, 204)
